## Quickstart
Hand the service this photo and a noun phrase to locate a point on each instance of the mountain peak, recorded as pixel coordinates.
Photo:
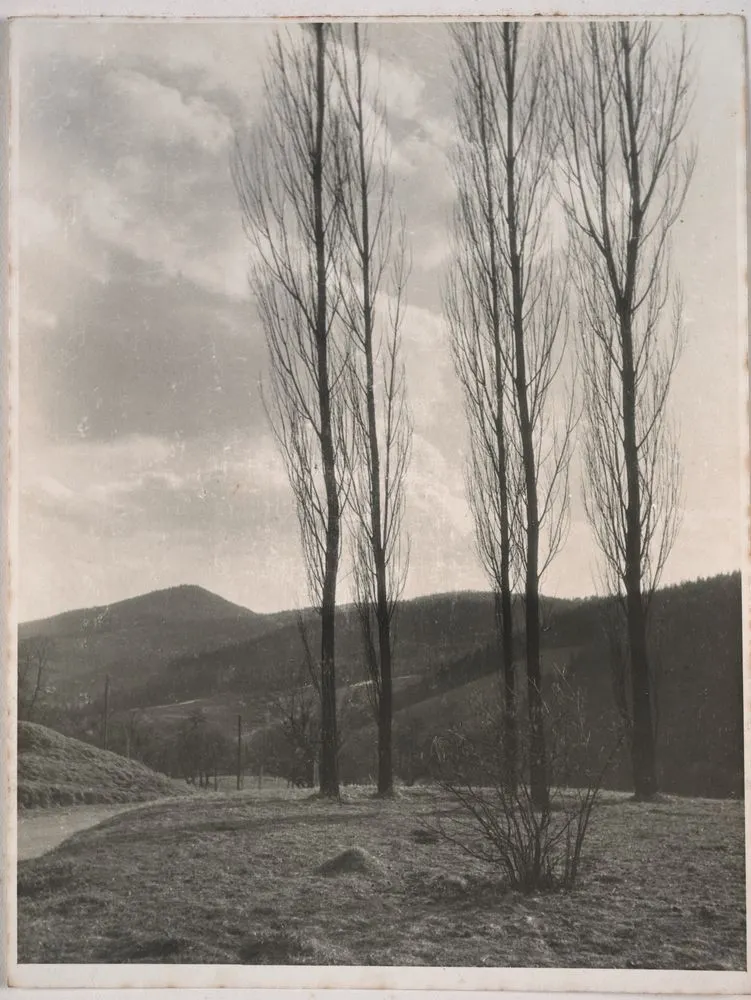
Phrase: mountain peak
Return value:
(183, 602)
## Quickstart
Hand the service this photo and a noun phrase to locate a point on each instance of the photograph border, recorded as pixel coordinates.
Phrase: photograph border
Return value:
(311, 978)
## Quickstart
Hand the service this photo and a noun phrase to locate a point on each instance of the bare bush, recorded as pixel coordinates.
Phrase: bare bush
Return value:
(536, 847)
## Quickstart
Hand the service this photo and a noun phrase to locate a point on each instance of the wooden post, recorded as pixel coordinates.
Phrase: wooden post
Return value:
(239, 751)
(264, 750)
(105, 728)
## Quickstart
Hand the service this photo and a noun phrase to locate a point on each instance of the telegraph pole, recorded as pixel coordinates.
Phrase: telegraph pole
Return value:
(105, 727)
(264, 750)
(239, 751)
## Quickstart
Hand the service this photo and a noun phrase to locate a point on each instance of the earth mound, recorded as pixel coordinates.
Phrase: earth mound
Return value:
(353, 860)
(57, 770)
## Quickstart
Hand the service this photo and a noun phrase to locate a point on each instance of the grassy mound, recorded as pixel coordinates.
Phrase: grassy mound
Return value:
(56, 770)
(354, 859)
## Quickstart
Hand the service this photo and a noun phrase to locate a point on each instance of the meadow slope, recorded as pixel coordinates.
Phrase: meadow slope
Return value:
(242, 880)
(56, 770)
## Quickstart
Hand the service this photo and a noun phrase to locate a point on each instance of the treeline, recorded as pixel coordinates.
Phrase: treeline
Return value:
(589, 118)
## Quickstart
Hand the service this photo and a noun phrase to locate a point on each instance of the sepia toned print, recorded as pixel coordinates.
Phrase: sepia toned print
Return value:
(380, 501)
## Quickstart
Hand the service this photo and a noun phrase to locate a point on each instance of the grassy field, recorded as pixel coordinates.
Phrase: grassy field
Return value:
(55, 770)
(243, 879)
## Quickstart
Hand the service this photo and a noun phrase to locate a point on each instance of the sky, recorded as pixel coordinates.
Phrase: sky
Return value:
(145, 457)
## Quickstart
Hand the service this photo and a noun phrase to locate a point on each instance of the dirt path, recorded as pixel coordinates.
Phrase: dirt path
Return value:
(42, 829)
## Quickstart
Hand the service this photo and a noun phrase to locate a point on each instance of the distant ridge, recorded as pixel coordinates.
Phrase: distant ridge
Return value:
(173, 651)
(133, 639)
(186, 602)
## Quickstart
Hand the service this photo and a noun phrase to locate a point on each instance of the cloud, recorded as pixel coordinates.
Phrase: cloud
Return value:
(129, 473)
(166, 115)
(433, 389)
(115, 157)
(143, 354)
(145, 455)
(116, 218)
(88, 506)
(439, 523)
(39, 223)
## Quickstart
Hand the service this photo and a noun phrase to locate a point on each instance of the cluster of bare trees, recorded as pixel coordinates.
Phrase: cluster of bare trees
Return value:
(569, 175)
(33, 670)
(592, 114)
(507, 311)
(329, 268)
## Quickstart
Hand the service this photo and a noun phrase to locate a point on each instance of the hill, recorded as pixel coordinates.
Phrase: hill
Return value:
(133, 639)
(697, 651)
(56, 770)
(186, 644)
(431, 633)
(184, 603)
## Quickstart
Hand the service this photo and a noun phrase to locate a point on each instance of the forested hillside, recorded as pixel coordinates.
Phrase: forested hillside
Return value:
(446, 659)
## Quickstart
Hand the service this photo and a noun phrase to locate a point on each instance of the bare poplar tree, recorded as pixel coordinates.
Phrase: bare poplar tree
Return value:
(376, 269)
(504, 82)
(623, 105)
(286, 178)
(474, 308)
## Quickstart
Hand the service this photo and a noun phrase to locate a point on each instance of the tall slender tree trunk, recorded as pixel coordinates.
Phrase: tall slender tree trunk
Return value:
(643, 751)
(329, 765)
(504, 631)
(504, 623)
(385, 713)
(377, 542)
(537, 755)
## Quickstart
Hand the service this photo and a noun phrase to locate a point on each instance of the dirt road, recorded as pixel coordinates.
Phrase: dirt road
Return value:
(40, 830)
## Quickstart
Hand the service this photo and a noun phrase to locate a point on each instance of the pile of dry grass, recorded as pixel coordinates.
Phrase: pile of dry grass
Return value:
(56, 770)
(352, 861)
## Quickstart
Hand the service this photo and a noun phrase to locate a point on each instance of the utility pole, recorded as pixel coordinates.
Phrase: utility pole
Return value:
(264, 738)
(105, 727)
(239, 751)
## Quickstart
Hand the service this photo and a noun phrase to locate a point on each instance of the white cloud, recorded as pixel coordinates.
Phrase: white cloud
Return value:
(146, 172)
(114, 218)
(402, 89)
(435, 488)
(167, 115)
(216, 56)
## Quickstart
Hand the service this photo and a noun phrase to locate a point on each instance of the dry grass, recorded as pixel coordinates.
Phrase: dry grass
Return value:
(238, 879)
(55, 770)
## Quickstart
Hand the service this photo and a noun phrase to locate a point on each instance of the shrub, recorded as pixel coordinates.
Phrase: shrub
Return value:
(536, 848)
